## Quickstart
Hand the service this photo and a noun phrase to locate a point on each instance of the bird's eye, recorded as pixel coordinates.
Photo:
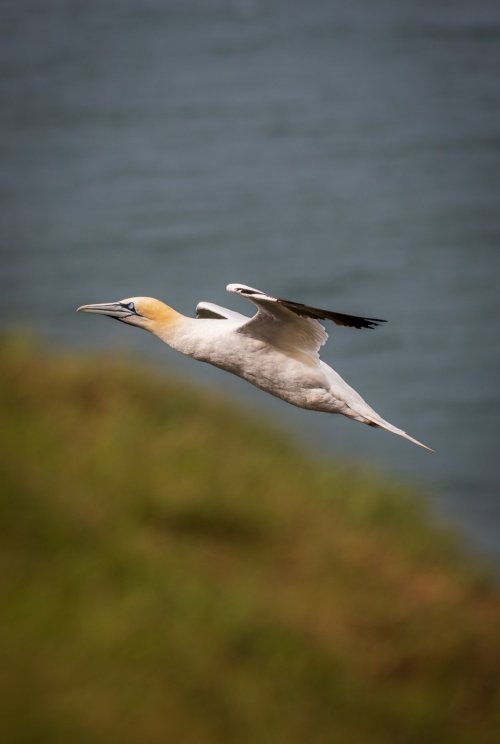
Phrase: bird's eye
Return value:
(129, 305)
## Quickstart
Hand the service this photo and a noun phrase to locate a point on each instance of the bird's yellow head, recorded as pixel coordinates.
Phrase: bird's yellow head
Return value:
(144, 312)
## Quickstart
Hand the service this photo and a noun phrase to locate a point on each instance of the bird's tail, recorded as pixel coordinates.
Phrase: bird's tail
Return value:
(382, 424)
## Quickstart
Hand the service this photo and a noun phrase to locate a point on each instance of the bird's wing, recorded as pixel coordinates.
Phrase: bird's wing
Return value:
(210, 310)
(292, 326)
(279, 326)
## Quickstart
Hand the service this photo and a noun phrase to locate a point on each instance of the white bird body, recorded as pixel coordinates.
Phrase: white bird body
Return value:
(294, 377)
(277, 350)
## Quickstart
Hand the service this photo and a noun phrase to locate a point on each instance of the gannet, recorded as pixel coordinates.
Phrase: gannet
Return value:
(277, 349)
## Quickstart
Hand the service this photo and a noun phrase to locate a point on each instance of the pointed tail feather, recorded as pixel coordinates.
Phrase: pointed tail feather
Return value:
(382, 424)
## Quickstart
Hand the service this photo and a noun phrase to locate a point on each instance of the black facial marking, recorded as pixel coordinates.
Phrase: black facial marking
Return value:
(129, 306)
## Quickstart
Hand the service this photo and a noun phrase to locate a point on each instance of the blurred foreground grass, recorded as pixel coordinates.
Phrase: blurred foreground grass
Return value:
(174, 571)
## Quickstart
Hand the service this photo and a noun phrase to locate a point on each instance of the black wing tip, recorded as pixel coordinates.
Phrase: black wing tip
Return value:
(340, 319)
(360, 324)
(371, 323)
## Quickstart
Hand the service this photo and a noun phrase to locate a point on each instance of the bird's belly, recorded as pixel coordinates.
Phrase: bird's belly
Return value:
(278, 374)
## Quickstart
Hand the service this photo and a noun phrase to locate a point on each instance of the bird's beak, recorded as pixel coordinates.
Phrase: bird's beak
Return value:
(113, 309)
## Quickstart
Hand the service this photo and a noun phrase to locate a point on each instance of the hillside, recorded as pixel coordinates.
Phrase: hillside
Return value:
(174, 570)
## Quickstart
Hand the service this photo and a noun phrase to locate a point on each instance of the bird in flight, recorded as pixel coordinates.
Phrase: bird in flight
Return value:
(277, 349)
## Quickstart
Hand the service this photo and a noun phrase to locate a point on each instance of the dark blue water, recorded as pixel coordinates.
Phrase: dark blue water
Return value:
(342, 154)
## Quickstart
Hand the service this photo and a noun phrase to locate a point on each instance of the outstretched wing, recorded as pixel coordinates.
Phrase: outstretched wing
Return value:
(292, 326)
(210, 310)
(341, 319)
(280, 327)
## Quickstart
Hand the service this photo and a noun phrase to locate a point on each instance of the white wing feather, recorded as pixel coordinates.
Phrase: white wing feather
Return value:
(211, 310)
(280, 327)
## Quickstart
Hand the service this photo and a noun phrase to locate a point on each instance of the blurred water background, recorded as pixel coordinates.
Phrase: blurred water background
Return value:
(341, 154)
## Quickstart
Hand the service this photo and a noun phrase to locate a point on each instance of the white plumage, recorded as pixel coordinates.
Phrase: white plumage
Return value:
(277, 349)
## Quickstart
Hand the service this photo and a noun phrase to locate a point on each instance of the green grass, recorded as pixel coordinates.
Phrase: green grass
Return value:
(174, 570)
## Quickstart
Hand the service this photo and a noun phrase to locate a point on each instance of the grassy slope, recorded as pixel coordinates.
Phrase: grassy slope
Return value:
(175, 571)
